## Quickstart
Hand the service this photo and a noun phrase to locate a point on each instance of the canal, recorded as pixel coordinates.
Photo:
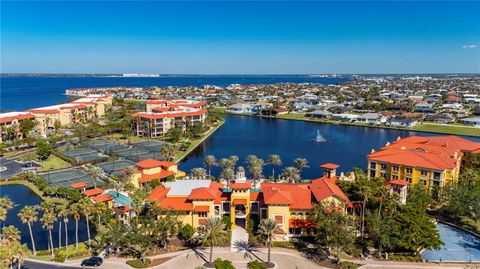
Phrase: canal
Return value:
(22, 196)
(244, 135)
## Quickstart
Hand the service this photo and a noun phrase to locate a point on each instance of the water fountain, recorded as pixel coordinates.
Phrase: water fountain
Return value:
(319, 138)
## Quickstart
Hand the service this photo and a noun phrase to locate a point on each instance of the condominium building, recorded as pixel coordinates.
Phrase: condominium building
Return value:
(163, 115)
(429, 161)
(10, 124)
(80, 110)
(150, 169)
(289, 204)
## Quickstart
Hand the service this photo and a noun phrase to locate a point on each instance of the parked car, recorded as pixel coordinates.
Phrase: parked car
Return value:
(92, 261)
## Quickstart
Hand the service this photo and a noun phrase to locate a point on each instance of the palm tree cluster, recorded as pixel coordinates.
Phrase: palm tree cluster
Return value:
(255, 166)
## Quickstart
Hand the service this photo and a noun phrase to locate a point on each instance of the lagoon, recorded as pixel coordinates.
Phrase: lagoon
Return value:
(22, 196)
(243, 135)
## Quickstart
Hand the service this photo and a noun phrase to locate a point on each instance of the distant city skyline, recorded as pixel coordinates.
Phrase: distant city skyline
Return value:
(240, 37)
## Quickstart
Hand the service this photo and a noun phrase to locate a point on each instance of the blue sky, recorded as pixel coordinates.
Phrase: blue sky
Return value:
(240, 37)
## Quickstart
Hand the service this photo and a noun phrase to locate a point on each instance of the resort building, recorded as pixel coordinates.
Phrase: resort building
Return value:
(163, 115)
(289, 204)
(80, 110)
(150, 169)
(433, 160)
(10, 124)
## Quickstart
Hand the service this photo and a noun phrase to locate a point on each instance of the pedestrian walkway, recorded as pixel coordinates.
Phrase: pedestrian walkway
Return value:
(239, 241)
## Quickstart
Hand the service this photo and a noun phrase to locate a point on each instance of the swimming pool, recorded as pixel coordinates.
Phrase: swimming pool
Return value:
(120, 199)
(459, 246)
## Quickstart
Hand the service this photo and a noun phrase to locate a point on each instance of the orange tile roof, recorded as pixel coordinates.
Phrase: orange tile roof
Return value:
(177, 203)
(245, 185)
(93, 192)
(161, 109)
(323, 188)
(149, 177)
(297, 196)
(202, 221)
(149, 163)
(169, 115)
(102, 198)
(156, 102)
(239, 201)
(203, 194)
(79, 185)
(205, 208)
(399, 182)
(17, 117)
(44, 111)
(330, 166)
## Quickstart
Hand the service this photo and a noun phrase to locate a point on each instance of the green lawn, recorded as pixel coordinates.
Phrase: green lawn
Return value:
(53, 163)
(447, 129)
(292, 116)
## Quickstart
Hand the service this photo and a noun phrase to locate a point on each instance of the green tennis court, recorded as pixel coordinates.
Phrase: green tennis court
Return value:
(150, 145)
(67, 177)
(115, 167)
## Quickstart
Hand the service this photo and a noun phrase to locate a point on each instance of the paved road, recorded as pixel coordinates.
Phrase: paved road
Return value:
(13, 167)
(31, 264)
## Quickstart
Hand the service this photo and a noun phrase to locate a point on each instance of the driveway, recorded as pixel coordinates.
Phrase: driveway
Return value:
(11, 166)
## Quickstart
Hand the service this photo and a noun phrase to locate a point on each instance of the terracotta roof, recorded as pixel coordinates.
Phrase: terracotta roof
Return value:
(149, 177)
(156, 102)
(239, 201)
(203, 194)
(323, 188)
(161, 109)
(102, 198)
(399, 182)
(44, 111)
(177, 203)
(330, 166)
(202, 221)
(17, 117)
(147, 115)
(205, 208)
(297, 196)
(93, 192)
(149, 163)
(79, 185)
(245, 185)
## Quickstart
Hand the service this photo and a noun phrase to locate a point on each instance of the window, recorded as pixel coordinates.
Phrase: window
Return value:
(295, 231)
(394, 177)
(264, 213)
(409, 179)
(383, 174)
(395, 168)
(372, 173)
(373, 165)
(408, 170)
(217, 210)
(254, 207)
(436, 175)
(423, 173)
(384, 166)
(279, 219)
(226, 207)
(202, 214)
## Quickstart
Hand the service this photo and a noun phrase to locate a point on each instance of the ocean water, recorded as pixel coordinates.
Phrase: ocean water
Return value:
(21, 93)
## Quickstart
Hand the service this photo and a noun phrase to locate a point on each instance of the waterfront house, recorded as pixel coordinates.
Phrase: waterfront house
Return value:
(274, 111)
(243, 108)
(427, 161)
(321, 114)
(150, 169)
(471, 121)
(371, 118)
(289, 204)
(345, 117)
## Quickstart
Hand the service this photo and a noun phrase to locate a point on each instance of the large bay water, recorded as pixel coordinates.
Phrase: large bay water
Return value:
(244, 135)
(21, 93)
(23, 196)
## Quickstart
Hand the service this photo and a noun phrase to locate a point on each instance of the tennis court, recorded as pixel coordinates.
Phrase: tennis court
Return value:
(67, 177)
(83, 155)
(150, 145)
(115, 167)
(130, 152)
(103, 145)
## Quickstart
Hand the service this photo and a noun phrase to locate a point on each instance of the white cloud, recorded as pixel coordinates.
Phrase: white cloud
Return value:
(471, 46)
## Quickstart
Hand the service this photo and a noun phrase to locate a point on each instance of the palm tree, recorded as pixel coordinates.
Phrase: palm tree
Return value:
(47, 206)
(300, 164)
(21, 251)
(100, 209)
(233, 161)
(227, 169)
(251, 159)
(86, 207)
(274, 160)
(48, 219)
(268, 227)
(75, 212)
(11, 235)
(29, 215)
(214, 232)
(290, 174)
(95, 172)
(198, 173)
(64, 213)
(256, 169)
(61, 211)
(169, 151)
(5, 205)
(210, 161)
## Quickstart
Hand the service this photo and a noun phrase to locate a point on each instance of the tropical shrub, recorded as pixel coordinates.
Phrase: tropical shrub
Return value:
(223, 264)
(256, 265)
(187, 232)
(347, 265)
